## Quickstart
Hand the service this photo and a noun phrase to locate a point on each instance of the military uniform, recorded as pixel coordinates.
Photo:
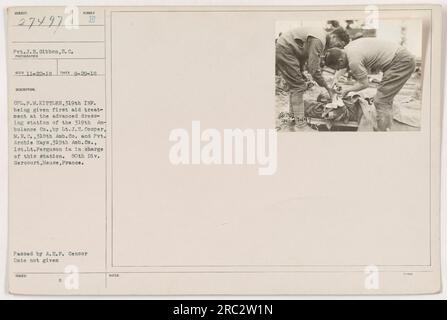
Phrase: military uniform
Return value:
(371, 55)
(294, 49)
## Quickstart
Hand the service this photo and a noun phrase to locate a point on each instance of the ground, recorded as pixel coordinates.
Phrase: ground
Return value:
(407, 103)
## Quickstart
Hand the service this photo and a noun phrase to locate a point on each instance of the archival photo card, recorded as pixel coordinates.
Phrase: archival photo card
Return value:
(177, 150)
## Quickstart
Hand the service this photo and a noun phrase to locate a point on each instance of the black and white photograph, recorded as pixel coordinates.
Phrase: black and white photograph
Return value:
(153, 151)
(348, 75)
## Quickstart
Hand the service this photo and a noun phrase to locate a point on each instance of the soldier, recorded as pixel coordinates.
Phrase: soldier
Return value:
(294, 49)
(371, 55)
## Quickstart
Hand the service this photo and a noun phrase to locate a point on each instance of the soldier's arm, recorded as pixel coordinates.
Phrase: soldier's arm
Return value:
(361, 84)
(315, 50)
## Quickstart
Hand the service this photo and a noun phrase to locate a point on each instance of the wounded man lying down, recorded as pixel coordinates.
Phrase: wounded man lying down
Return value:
(371, 55)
